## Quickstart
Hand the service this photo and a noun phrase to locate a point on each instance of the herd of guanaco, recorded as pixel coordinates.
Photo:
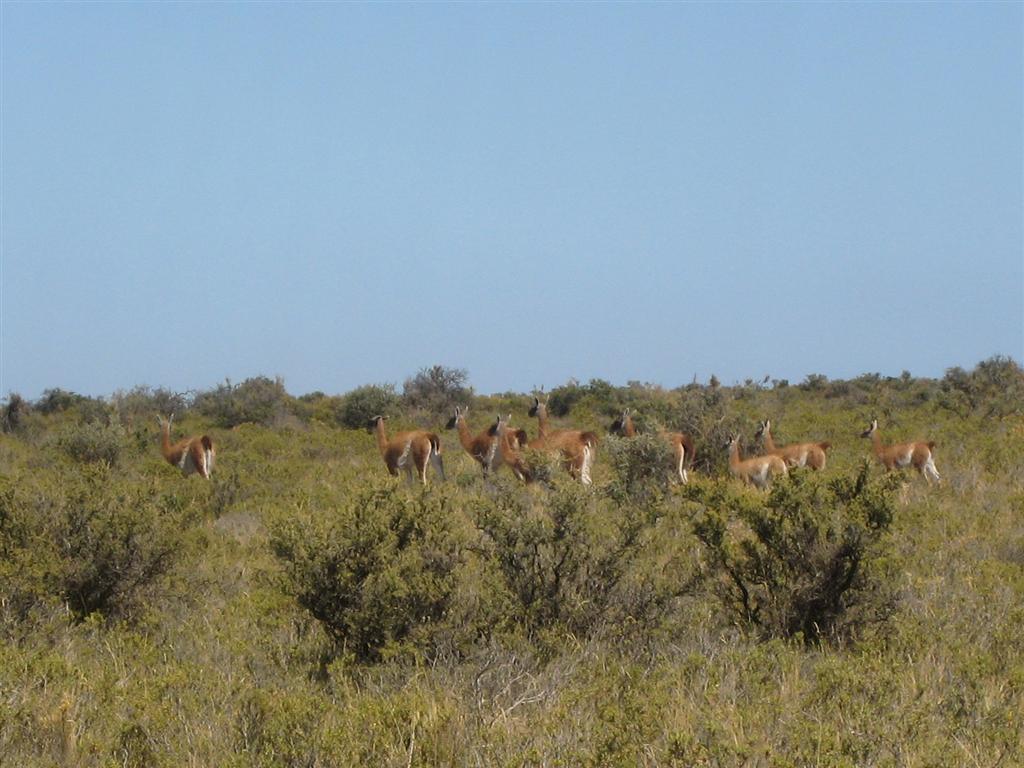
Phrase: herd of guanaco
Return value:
(502, 445)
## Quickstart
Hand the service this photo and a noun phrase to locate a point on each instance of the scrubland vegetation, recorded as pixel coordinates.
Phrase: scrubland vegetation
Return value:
(303, 608)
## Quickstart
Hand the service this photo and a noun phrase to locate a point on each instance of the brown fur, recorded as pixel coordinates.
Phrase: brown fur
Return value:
(509, 445)
(758, 471)
(899, 455)
(190, 454)
(408, 450)
(480, 447)
(576, 446)
(484, 446)
(795, 454)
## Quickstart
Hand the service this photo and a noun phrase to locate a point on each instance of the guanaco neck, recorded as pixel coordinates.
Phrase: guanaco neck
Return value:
(165, 439)
(734, 454)
(464, 436)
(382, 439)
(876, 443)
(542, 420)
(769, 444)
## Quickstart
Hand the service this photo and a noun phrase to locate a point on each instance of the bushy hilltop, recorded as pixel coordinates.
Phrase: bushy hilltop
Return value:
(304, 608)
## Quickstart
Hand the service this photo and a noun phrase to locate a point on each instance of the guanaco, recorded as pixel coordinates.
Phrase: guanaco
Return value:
(190, 454)
(576, 446)
(915, 454)
(795, 454)
(406, 450)
(758, 471)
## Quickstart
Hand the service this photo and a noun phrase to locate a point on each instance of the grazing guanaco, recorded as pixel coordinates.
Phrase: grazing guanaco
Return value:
(795, 454)
(482, 447)
(916, 454)
(681, 444)
(576, 446)
(190, 454)
(758, 471)
(406, 450)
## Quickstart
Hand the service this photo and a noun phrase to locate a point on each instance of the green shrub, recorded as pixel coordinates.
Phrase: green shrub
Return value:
(378, 570)
(803, 562)
(258, 400)
(58, 400)
(642, 467)
(704, 414)
(141, 404)
(13, 412)
(579, 563)
(97, 544)
(93, 441)
(995, 388)
(363, 403)
(437, 390)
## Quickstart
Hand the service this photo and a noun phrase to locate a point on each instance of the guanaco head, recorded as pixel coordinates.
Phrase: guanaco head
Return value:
(165, 422)
(733, 440)
(763, 427)
(454, 420)
(374, 421)
(501, 429)
(538, 407)
(871, 429)
(618, 426)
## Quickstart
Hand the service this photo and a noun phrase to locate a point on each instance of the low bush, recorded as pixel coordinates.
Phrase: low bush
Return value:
(378, 568)
(258, 400)
(435, 391)
(804, 560)
(12, 414)
(363, 403)
(141, 405)
(579, 563)
(97, 544)
(93, 441)
(642, 467)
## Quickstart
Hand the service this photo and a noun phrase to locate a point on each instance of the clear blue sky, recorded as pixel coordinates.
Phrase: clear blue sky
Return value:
(342, 194)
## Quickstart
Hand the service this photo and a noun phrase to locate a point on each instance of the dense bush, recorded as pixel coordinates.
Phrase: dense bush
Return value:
(13, 412)
(803, 562)
(363, 403)
(578, 563)
(995, 387)
(96, 544)
(437, 390)
(643, 467)
(141, 405)
(378, 570)
(704, 414)
(93, 441)
(258, 400)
